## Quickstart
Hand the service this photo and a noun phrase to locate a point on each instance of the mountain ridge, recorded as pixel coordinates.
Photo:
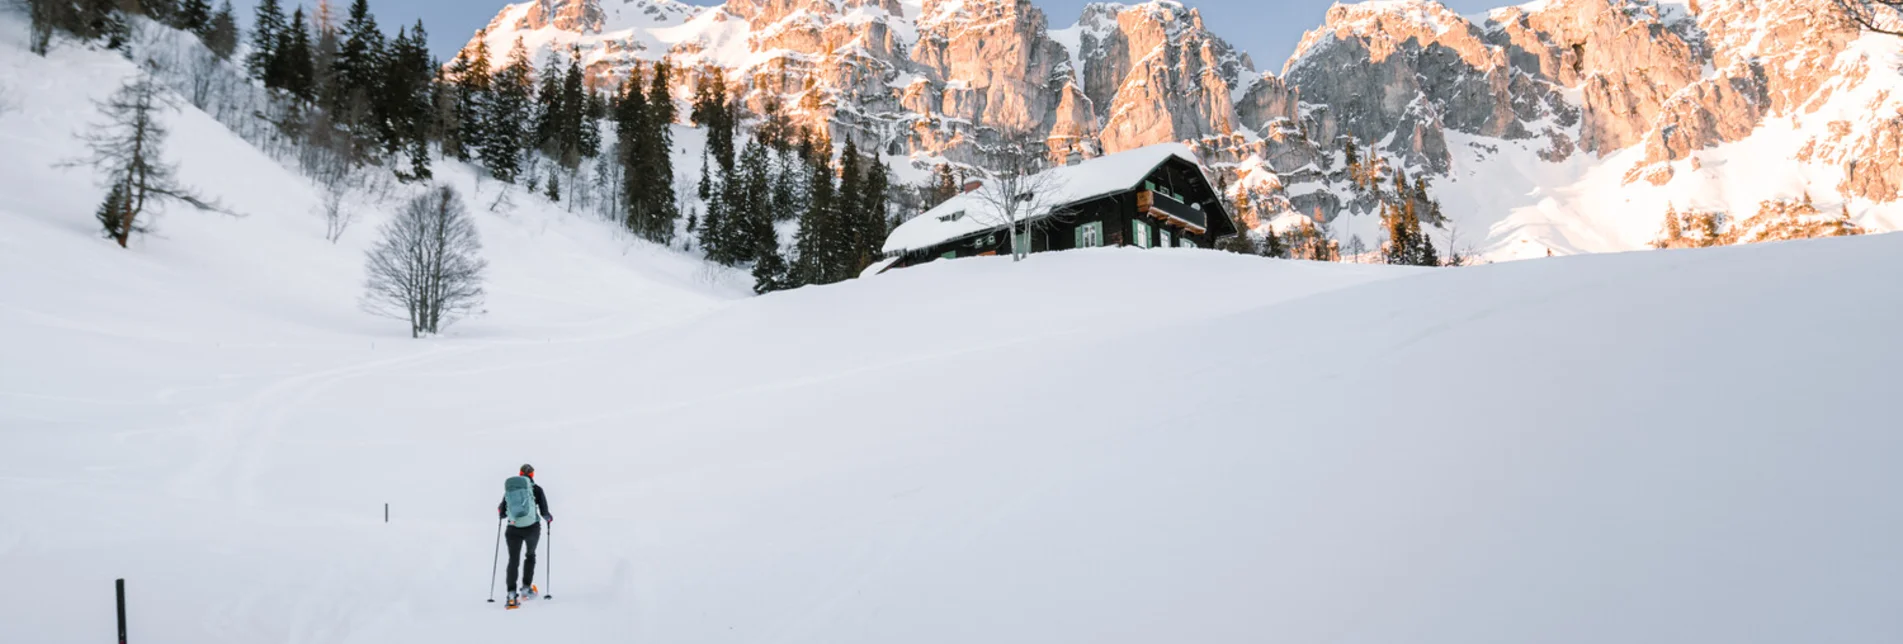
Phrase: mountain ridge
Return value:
(1653, 87)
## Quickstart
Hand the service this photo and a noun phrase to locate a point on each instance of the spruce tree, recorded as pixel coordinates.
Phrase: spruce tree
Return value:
(165, 12)
(631, 133)
(756, 231)
(550, 112)
(1353, 155)
(652, 208)
(1674, 226)
(508, 116)
(713, 111)
(221, 35)
(873, 205)
(114, 215)
(581, 133)
(819, 232)
(470, 73)
(358, 68)
(194, 16)
(944, 186)
(266, 31)
(291, 66)
(852, 231)
(1272, 245)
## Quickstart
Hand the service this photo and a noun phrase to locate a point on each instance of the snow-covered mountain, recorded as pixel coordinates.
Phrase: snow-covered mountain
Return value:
(1560, 125)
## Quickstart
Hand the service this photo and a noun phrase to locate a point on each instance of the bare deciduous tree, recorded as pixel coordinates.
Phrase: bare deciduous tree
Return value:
(337, 215)
(128, 149)
(1881, 16)
(426, 269)
(1017, 190)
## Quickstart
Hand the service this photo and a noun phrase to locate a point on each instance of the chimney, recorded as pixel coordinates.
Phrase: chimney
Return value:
(972, 186)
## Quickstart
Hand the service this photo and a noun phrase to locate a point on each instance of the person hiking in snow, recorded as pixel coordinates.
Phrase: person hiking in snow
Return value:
(524, 507)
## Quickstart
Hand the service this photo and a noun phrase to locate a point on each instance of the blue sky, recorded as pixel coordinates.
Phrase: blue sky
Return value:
(1267, 29)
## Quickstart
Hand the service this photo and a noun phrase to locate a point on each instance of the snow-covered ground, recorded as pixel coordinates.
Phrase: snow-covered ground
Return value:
(1100, 446)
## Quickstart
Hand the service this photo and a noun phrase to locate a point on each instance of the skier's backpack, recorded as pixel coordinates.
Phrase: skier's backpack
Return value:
(518, 494)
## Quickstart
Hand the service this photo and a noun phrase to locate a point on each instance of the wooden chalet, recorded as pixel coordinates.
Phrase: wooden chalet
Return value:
(1153, 197)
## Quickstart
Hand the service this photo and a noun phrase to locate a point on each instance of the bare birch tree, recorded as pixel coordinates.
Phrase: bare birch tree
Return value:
(1881, 16)
(1017, 189)
(426, 269)
(129, 149)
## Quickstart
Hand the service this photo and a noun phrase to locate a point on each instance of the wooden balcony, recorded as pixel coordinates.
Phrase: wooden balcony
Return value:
(1171, 212)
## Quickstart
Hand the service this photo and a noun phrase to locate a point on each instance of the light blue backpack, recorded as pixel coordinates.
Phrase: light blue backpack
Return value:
(519, 494)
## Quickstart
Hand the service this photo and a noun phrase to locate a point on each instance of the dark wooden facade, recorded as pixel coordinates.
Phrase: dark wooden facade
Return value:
(1174, 207)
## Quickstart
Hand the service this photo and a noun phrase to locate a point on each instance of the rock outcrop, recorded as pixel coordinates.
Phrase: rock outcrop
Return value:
(1401, 78)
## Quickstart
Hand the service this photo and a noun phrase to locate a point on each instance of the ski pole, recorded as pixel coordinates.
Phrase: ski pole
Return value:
(549, 577)
(493, 558)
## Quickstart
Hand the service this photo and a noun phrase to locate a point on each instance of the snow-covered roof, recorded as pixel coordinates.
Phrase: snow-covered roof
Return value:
(968, 213)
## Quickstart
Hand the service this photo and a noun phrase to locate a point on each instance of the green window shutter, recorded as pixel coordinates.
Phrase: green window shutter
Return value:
(1079, 232)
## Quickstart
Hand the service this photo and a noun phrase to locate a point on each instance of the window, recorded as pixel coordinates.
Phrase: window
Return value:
(1185, 242)
(1140, 233)
(950, 254)
(1024, 243)
(1163, 238)
(1090, 235)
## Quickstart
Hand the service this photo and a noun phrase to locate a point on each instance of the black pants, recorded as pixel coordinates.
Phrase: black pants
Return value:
(531, 535)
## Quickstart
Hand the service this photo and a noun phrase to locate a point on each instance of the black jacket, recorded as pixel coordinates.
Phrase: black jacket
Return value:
(541, 501)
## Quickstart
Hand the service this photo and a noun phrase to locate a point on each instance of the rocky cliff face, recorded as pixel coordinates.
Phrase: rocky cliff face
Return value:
(1653, 86)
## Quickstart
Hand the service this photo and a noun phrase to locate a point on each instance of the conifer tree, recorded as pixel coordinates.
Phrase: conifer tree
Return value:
(266, 30)
(1674, 227)
(631, 133)
(944, 186)
(550, 112)
(221, 33)
(508, 114)
(113, 218)
(408, 76)
(756, 208)
(1272, 245)
(844, 251)
(581, 133)
(652, 211)
(1353, 155)
(788, 182)
(471, 75)
(819, 231)
(874, 203)
(165, 12)
(357, 69)
(713, 111)
(291, 65)
(194, 16)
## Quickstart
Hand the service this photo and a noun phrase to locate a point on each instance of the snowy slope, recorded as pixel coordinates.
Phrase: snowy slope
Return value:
(1501, 454)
